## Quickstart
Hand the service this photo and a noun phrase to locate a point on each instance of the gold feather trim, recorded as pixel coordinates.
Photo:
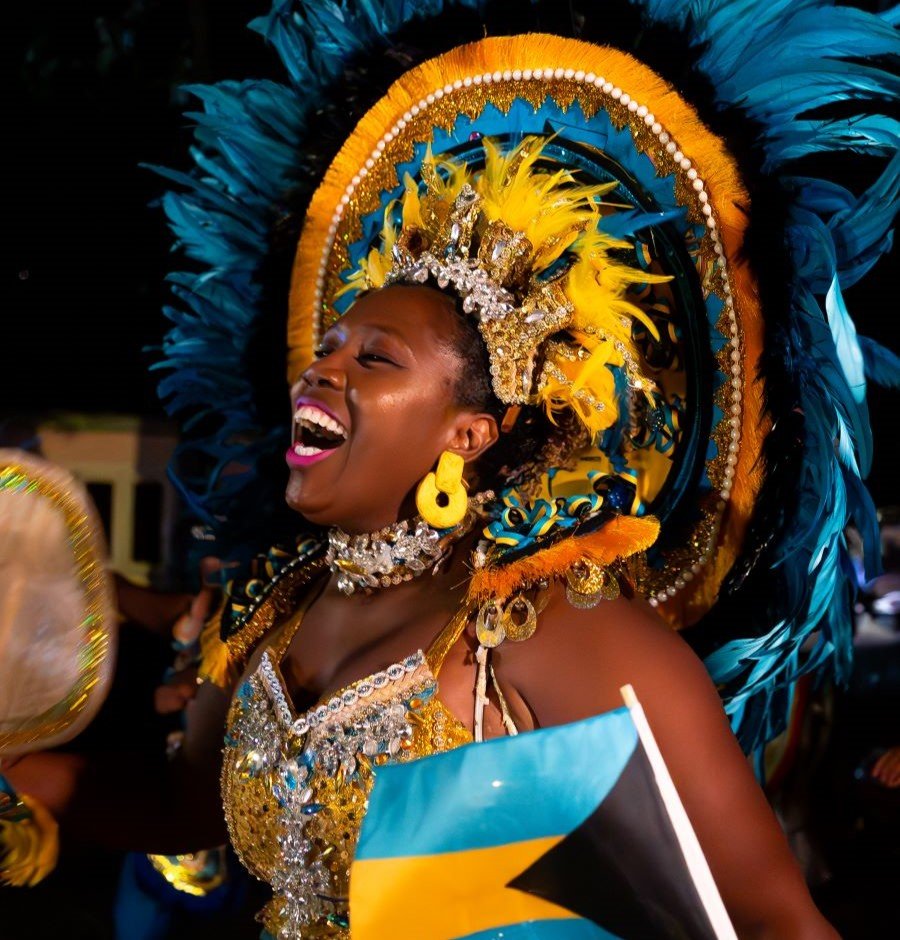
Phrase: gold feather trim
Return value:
(222, 661)
(216, 663)
(620, 538)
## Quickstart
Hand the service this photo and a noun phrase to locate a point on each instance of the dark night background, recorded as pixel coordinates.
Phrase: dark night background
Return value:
(96, 92)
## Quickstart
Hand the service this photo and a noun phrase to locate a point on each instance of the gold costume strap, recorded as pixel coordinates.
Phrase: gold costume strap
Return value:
(444, 641)
(280, 644)
(435, 655)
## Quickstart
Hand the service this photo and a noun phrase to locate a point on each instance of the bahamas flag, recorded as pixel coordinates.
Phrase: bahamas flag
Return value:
(568, 833)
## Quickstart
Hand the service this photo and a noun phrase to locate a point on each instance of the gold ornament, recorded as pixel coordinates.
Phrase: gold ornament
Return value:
(587, 584)
(610, 590)
(523, 629)
(441, 496)
(585, 577)
(495, 237)
(489, 628)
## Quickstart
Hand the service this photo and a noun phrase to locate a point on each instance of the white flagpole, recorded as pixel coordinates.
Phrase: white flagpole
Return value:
(684, 831)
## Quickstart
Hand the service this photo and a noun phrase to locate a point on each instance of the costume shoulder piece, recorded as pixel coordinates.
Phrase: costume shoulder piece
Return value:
(252, 606)
(615, 196)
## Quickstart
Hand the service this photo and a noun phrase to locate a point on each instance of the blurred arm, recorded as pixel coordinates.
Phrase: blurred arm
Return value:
(154, 610)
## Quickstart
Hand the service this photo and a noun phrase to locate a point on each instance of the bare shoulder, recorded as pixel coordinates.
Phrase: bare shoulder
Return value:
(574, 667)
(578, 660)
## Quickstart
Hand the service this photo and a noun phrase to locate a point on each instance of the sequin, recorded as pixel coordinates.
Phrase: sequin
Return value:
(318, 768)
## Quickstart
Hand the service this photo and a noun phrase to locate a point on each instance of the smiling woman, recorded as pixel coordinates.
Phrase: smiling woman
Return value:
(376, 408)
(420, 330)
(548, 406)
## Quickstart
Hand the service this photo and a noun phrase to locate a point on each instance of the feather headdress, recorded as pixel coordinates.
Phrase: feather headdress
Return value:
(753, 444)
(520, 244)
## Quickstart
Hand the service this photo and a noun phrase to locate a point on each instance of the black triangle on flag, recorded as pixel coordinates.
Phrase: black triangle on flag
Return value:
(623, 868)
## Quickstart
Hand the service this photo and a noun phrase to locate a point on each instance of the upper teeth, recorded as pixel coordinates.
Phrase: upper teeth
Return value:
(316, 416)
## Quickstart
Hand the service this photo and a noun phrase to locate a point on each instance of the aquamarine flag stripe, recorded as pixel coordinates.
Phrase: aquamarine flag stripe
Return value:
(545, 930)
(504, 790)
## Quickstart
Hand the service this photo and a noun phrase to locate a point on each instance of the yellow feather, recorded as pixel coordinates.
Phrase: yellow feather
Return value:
(589, 374)
(412, 208)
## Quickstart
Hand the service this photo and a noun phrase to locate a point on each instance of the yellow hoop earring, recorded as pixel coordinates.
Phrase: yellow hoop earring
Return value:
(446, 482)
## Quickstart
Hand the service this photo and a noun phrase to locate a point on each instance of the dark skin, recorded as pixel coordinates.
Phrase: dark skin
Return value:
(388, 374)
(154, 610)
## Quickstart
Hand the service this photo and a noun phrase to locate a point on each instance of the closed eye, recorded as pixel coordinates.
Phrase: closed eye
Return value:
(365, 357)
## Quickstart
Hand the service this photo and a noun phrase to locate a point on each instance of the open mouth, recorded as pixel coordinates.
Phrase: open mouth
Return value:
(316, 431)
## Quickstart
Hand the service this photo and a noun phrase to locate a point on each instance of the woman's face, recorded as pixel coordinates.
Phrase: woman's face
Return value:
(376, 408)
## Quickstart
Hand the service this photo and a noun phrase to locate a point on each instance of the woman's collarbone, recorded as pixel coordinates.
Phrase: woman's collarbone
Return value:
(332, 650)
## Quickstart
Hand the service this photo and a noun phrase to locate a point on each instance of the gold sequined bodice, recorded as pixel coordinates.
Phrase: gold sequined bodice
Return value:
(295, 786)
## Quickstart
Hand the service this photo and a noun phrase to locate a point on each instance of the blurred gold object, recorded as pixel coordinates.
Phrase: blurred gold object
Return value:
(57, 617)
(29, 839)
(196, 873)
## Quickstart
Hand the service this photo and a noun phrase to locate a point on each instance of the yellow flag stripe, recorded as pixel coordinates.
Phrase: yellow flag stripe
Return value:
(454, 894)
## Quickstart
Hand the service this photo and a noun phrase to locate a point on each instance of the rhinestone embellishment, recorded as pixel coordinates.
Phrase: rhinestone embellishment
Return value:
(305, 780)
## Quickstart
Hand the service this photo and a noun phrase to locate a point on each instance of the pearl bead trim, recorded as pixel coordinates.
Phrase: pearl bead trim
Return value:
(680, 161)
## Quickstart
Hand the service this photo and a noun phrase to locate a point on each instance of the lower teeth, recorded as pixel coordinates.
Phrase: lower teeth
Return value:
(302, 451)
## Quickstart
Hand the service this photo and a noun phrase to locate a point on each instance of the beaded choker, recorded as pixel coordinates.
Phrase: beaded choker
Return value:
(396, 553)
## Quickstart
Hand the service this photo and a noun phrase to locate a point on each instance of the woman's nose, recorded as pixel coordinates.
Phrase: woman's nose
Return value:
(325, 373)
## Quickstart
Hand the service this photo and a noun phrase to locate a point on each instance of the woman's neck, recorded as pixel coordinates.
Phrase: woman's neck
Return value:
(349, 636)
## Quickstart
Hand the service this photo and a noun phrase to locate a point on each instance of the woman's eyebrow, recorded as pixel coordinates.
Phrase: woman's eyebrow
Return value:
(335, 332)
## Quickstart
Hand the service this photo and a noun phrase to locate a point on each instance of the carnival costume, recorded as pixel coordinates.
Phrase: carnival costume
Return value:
(611, 194)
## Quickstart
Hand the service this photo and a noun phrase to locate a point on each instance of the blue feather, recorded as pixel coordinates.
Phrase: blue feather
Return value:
(845, 343)
(882, 366)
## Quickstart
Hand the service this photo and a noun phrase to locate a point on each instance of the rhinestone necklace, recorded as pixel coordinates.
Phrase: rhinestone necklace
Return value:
(398, 552)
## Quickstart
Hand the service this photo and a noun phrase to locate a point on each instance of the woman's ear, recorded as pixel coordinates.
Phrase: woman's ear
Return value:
(473, 435)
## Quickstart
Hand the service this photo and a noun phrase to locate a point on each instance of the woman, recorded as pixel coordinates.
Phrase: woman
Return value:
(405, 378)
(567, 322)
(389, 377)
